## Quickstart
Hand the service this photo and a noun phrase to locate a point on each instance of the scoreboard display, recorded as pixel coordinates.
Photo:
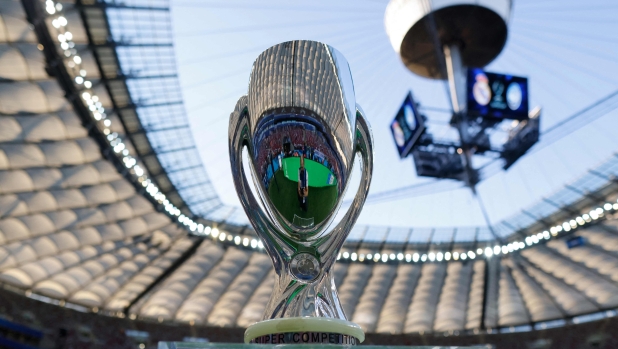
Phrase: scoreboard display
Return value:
(496, 96)
(407, 126)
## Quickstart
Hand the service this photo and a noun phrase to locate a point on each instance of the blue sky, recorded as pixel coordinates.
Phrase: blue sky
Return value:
(567, 49)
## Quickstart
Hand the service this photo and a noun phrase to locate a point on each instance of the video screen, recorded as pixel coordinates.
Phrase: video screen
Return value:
(497, 95)
(407, 126)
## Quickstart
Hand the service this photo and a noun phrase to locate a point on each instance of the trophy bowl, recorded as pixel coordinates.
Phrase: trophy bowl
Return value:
(302, 129)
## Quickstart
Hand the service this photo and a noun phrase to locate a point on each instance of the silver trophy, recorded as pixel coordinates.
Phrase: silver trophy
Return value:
(302, 128)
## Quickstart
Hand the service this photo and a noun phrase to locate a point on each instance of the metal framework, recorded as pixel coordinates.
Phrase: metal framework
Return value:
(133, 48)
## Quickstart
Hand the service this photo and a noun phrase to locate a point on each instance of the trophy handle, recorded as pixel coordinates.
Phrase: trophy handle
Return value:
(363, 144)
(238, 137)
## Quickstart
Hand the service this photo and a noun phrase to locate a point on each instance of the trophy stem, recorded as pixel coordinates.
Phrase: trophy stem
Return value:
(298, 330)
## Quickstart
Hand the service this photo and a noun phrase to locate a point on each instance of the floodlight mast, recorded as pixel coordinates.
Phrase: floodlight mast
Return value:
(439, 39)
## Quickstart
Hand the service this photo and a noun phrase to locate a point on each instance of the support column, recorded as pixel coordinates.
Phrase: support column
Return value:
(456, 78)
(456, 73)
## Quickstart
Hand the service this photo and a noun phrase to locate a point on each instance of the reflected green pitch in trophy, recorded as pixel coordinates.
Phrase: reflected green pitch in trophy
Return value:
(302, 129)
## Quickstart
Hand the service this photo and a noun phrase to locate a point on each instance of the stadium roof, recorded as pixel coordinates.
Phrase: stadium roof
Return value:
(133, 45)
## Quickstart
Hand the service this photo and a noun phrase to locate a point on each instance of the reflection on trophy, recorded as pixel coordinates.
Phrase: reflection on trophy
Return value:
(302, 130)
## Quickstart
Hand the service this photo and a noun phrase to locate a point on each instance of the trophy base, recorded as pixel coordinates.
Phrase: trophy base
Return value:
(304, 330)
